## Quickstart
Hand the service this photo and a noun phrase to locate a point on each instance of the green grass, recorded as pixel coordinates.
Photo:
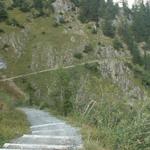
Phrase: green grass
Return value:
(130, 133)
(13, 123)
(46, 42)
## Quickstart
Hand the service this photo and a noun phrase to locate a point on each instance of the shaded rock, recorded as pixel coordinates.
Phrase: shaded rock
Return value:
(62, 6)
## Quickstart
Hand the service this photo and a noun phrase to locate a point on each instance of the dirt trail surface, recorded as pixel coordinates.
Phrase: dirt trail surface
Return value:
(47, 133)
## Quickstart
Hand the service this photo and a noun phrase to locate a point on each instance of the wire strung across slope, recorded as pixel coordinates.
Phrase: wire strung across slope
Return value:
(47, 70)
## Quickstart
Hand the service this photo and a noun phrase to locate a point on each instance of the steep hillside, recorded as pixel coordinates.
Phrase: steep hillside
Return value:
(106, 96)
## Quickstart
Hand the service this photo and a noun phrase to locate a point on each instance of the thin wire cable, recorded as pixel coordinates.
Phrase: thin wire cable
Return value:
(46, 70)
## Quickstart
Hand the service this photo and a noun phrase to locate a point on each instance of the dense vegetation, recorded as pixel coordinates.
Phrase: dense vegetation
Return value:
(107, 121)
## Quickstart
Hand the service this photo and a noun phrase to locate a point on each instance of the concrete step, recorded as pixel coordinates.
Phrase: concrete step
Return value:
(47, 125)
(52, 126)
(40, 147)
(58, 132)
(49, 140)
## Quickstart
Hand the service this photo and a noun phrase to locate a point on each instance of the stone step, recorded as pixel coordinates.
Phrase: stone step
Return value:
(49, 140)
(58, 132)
(9, 146)
(13, 149)
(53, 126)
(47, 125)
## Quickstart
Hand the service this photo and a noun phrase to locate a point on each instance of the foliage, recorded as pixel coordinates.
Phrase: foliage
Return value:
(126, 33)
(62, 94)
(90, 10)
(13, 123)
(111, 10)
(117, 44)
(3, 12)
(39, 5)
(76, 2)
(141, 21)
(108, 28)
(116, 125)
(43, 7)
(78, 55)
(24, 6)
(88, 48)
(14, 22)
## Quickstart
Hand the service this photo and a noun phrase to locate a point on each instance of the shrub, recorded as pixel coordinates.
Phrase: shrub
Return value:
(78, 55)
(3, 12)
(88, 48)
(94, 31)
(108, 28)
(76, 2)
(56, 24)
(92, 67)
(44, 105)
(117, 44)
(5, 46)
(14, 22)
(2, 31)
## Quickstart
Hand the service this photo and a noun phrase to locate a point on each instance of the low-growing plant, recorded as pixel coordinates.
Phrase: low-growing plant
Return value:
(2, 31)
(13, 123)
(117, 44)
(14, 22)
(88, 48)
(78, 55)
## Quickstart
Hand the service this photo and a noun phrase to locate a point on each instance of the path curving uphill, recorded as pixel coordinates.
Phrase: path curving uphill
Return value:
(47, 133)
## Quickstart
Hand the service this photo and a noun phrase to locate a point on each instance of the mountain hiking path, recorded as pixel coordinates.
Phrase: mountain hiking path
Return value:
(47, 133)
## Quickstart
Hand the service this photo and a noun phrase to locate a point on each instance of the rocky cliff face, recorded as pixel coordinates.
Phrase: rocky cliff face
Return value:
(113, 66)
(62, 6)
(14, 42)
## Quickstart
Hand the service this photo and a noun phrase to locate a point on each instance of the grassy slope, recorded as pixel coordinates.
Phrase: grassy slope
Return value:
(13, 123)
(44, 37)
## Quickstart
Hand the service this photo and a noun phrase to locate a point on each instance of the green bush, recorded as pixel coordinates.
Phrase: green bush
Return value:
(88, 48)
(2, 31)
(56, 24)
(92, 67)
(117, 44)
(78, 55)
(3, 12)
(76, 2)
(14, 22)
(108, 28)
(94, 31)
